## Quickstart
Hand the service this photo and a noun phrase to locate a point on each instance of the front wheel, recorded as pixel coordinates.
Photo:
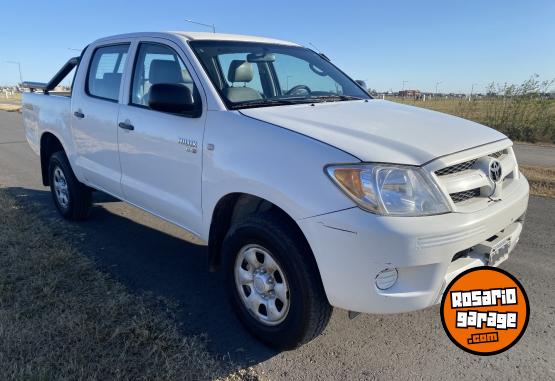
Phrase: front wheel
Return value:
(273, 282)
(72, 199)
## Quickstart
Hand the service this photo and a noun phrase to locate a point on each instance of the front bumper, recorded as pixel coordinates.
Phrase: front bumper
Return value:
(352, 246)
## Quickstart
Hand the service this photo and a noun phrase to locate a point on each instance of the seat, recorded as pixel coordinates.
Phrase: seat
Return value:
(108, 86)
(240, 71)
(162, 71)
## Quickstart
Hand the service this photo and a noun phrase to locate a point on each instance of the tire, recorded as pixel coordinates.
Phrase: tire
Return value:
(74, 200)
(306, 307)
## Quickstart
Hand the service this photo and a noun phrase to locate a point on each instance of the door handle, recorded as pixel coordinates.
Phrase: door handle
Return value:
(79, 114)
(126, 126)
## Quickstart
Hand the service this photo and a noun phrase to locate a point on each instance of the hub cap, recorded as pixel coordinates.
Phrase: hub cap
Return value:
(262, 285)
(60, 188)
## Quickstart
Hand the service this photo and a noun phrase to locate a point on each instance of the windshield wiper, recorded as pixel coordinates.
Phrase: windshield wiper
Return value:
(335, 97)
(272, 102)
(293, 101)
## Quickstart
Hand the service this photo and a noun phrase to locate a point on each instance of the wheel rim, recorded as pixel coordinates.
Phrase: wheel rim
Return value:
(60, 188)
(262, 285)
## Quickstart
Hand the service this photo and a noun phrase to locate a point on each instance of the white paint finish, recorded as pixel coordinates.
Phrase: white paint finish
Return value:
(231, 37)
(269, 162)
(380, 131)
(158, 173)
(190, 36)
(353, 246)
(50, 115)
(95, 135)
(279, 153)
(96, 141)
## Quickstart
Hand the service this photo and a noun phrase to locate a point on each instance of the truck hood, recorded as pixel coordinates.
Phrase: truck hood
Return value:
(378, 130)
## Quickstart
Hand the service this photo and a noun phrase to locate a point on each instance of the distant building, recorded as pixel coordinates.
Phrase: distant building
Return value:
(410, 93)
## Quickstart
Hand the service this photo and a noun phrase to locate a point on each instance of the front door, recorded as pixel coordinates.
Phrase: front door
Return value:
(161, 153)
(94, 116)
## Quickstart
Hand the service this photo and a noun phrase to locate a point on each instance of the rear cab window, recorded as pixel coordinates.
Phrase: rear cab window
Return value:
(106, 71)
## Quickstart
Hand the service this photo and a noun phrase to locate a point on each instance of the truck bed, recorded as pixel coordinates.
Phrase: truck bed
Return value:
(45, 112)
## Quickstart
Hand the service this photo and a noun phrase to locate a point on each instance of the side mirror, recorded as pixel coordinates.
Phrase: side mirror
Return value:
(362, 84)
(173, 98)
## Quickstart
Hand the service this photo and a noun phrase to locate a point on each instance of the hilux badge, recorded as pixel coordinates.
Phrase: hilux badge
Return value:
(190, 145)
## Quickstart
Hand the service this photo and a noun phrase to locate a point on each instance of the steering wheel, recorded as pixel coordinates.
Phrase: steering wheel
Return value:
(299, 90)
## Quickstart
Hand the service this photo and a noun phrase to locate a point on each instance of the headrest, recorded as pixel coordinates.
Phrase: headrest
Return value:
(164, 71)
(108, 86)
(240, 71)
(112, 77)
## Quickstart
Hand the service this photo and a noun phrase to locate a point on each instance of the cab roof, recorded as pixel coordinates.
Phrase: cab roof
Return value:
(205, 36)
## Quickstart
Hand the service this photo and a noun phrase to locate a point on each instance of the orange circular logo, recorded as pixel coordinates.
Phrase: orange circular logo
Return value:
(485, 311)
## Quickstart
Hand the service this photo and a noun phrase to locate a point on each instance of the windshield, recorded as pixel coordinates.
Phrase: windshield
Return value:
(248, 74)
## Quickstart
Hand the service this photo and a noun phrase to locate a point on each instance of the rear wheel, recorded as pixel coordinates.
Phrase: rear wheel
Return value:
(72, 199)
(273, 282)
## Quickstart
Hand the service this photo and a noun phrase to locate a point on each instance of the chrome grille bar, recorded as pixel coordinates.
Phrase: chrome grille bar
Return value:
(465, 195)
(456, 168)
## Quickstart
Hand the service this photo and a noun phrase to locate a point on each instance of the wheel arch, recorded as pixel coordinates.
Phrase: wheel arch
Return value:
(233, 207)
(49, 143)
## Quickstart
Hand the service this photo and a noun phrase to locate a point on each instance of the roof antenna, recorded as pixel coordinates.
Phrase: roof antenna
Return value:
(319, 52)
(203, 24)
(314, 46)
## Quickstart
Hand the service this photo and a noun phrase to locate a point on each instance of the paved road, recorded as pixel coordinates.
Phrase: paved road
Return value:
(531, 154)
(146, 254)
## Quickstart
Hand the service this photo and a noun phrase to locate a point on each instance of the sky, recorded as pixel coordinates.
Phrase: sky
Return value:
(457, 43)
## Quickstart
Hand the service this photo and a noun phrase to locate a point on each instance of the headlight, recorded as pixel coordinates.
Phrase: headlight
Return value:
(390, 189)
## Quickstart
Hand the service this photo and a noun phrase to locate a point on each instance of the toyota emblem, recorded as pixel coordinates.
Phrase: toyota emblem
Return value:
(495, 171)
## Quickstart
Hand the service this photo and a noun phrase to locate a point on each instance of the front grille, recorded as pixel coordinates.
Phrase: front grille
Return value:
(466, 195)
(455, 168)
(458, 178)
(498, 154)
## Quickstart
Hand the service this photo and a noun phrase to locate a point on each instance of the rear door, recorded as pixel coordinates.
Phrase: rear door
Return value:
(161, 153)
(95, 108)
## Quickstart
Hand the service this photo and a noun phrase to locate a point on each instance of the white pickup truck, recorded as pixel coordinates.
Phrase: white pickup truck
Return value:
(308, 193)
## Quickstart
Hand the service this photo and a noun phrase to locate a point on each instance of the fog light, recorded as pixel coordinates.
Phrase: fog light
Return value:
(386, 278)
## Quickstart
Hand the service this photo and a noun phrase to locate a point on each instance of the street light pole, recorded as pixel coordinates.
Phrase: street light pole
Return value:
(472, 89)
(404, 84)
(203, 24)
(437, 84)
(19, 66)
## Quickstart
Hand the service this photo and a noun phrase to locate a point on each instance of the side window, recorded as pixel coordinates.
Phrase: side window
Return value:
(105, 71)
(225, 63)
(156, 64)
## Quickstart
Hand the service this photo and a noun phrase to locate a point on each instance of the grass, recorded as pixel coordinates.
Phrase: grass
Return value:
(60, 318)
(10, 107)
(542, 180)
(11, 103)
(523, 112)
(527, 120)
